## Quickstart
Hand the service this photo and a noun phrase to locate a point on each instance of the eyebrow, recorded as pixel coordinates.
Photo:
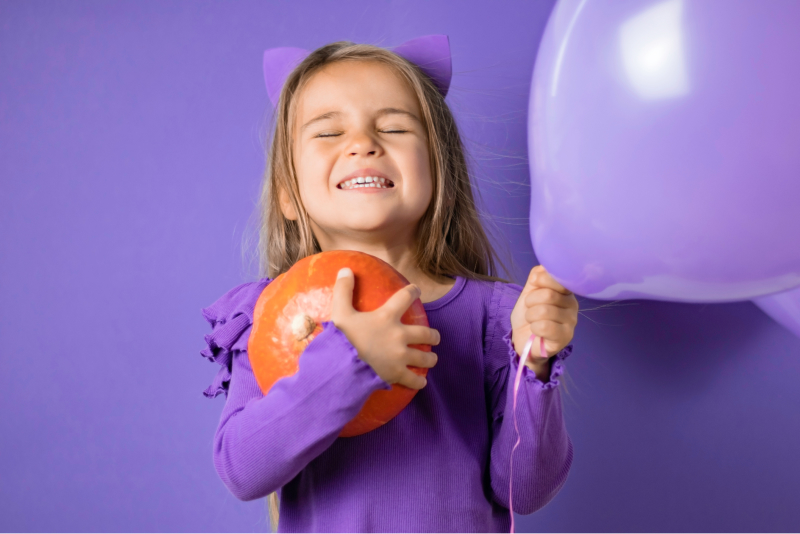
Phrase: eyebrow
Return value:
(381, 112)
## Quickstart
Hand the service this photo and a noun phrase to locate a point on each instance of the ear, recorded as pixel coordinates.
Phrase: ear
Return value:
(286, 205)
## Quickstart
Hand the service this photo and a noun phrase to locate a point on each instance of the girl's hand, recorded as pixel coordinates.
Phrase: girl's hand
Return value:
(380, 338)
(547, 309)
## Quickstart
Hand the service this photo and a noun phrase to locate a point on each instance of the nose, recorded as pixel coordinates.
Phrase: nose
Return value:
(363, 143)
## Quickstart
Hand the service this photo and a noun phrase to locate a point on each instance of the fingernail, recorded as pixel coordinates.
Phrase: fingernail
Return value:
(344, 271)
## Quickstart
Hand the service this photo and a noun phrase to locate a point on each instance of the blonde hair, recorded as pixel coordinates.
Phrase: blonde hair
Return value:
(455, 242)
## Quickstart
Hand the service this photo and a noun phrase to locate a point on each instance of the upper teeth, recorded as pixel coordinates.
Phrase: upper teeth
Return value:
(365, 181)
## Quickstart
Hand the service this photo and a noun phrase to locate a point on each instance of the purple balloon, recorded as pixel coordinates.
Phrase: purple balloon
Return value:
(665, 149)
(784, 307)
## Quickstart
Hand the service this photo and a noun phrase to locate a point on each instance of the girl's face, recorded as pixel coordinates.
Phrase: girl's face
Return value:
(360, 119)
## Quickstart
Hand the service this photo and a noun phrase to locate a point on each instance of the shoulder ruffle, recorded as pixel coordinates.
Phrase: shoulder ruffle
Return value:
(230, 316)
(498, 323)
(498, 338)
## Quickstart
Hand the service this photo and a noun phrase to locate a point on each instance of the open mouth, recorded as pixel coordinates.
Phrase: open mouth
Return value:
(374, 182)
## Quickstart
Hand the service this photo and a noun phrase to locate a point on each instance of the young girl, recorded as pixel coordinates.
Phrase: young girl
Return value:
(366, 156)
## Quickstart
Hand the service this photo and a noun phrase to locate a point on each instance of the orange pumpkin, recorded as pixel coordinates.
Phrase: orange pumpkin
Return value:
(289, 315)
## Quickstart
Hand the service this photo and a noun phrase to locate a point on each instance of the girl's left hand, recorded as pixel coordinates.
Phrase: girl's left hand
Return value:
(547, 309)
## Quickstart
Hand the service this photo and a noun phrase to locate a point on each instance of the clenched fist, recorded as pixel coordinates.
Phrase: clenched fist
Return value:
(548, 310)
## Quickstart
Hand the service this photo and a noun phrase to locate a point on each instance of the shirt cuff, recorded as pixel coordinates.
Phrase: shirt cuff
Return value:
(556, 367)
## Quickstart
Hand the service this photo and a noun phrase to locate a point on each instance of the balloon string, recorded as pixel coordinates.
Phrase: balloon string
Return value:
(522, 361)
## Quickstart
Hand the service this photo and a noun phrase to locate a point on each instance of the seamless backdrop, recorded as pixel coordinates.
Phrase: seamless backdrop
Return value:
(131, 150)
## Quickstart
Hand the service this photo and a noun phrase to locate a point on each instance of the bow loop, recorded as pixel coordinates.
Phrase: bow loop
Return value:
(278, 63)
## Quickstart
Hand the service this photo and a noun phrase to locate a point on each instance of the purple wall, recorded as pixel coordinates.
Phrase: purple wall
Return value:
(130, 158)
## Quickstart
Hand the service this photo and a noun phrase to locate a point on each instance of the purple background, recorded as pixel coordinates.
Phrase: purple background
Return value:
(130, 159)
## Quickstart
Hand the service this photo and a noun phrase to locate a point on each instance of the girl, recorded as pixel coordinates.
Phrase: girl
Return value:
(366, 156)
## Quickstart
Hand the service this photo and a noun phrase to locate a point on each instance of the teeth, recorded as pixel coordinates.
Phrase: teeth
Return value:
(365, 181)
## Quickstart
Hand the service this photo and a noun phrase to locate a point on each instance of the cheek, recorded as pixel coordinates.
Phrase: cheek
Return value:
(312, 186)
(311, 166)
(315, 159)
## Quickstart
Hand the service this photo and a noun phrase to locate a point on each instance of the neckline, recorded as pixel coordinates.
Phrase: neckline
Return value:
(447, 297)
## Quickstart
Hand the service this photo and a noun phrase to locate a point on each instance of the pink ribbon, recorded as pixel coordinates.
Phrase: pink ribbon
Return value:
(522, 361)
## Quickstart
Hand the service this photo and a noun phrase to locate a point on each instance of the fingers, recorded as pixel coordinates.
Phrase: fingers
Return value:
(551, 313)
(421, 358)
(550, 297)
(547, 329)
(402, 299)
(553, 333)
(539, 277)
(342, 303)
(412, 380)
(422, 335)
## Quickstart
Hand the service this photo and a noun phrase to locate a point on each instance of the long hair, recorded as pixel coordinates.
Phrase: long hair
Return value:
(454, 241)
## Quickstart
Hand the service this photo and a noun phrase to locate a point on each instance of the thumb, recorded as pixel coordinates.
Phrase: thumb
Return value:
(342, 304)
(532, 283)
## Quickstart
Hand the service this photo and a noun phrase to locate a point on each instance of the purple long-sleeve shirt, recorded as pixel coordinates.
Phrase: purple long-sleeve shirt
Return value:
(441, 465)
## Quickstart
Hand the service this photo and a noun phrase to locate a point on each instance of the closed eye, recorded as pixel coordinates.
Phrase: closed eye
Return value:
(382, 131)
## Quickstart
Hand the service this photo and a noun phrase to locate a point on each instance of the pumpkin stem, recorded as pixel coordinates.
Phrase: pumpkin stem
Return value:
(302, 326)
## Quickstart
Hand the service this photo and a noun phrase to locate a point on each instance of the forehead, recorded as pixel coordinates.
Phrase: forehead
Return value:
(352, 86)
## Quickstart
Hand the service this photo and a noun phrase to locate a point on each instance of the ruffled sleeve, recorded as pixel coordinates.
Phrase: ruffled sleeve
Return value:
(544, 445)
(231, 318)
(263, 441)
(499, 343)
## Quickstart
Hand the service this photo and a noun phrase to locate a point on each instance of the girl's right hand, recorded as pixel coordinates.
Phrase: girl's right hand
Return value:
(380, 338)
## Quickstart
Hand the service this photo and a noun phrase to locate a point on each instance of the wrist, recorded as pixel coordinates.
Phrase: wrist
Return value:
(540, 367)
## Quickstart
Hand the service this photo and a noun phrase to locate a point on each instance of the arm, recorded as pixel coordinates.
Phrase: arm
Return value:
(263, 442)
(544, 455)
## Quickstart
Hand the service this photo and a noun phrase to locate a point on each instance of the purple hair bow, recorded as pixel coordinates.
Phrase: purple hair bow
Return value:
(431, 53)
